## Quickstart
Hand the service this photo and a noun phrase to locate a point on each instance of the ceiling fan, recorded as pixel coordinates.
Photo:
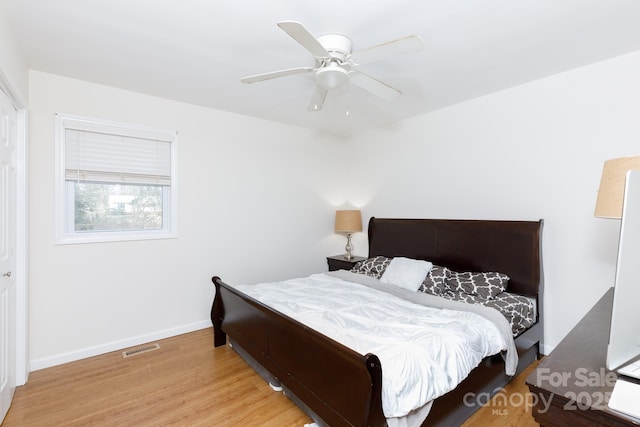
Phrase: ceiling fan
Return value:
(335, 64)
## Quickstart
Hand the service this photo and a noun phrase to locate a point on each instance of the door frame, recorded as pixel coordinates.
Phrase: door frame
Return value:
(22, 236)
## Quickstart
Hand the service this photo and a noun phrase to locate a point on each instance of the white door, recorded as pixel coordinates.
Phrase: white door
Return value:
(8, 138)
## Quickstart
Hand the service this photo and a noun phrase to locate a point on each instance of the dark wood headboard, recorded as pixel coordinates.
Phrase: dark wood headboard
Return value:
(509, 247)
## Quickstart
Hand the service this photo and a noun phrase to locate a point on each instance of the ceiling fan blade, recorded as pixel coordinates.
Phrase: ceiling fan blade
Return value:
(408, 44)
(375, 86)
(317, 99)
(304, 37)
(276, 74)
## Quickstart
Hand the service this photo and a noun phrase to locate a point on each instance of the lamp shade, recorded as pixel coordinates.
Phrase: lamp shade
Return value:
(348, 221)
(611, 192)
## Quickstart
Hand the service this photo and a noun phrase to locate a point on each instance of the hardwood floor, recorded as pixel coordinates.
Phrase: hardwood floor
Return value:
(187, 382)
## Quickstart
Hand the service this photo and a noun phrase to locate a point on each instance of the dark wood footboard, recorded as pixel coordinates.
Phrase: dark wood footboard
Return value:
(339, 385)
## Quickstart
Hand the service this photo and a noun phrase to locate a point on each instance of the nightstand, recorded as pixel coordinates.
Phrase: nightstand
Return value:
(339, 262)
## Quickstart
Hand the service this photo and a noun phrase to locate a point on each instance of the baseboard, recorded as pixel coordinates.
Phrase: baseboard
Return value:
(546, 349)
(59, 359)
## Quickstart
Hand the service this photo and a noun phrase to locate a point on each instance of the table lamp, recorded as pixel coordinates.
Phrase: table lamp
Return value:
(348, 222)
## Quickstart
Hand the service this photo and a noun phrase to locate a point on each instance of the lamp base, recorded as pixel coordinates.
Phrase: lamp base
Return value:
(348, 248)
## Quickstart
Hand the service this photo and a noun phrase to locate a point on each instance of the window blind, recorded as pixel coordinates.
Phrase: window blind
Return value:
(103, 157)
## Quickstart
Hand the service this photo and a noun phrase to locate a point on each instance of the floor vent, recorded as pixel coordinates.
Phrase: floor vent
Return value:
(139, 350)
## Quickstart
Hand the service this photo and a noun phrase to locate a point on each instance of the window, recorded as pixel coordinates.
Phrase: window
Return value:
(114, 181)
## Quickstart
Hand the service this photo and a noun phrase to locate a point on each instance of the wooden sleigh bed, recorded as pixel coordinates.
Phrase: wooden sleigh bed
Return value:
(337, 386)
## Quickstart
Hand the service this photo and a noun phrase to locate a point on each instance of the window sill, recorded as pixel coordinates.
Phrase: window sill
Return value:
(111, 236)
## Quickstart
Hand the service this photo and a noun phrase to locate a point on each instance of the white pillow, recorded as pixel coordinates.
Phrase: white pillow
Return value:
(406, 273)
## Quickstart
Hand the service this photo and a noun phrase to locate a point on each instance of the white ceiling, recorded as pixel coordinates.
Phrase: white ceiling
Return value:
(196, 51)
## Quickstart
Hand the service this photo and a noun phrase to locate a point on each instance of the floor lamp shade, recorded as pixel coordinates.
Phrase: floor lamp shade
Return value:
(611, 191)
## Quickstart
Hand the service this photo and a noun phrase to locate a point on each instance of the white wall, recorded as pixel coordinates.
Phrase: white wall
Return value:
(12, 65)
(257, 199)
(534, 151)
(255, 203)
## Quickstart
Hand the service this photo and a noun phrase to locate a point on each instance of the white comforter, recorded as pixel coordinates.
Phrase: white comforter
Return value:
(425, 352)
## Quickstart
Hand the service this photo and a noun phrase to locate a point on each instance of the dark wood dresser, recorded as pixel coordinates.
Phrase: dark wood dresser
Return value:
(572, 386)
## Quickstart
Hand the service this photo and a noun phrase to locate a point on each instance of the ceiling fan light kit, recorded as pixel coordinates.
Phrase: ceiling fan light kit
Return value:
(336, 64)
(332, 76)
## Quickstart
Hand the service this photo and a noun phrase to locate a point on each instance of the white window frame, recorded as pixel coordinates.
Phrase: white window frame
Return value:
(64, 193)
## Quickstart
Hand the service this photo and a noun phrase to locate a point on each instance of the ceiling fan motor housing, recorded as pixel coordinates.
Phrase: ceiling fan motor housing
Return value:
(335, 71)
(338, 46)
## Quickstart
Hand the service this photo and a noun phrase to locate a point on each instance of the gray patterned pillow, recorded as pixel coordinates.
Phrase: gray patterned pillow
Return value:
(435, 283)
(518, 309)
(485, 285)
(373, 267)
